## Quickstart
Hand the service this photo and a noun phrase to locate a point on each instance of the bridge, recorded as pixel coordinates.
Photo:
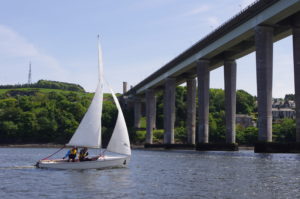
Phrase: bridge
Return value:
(255, 28)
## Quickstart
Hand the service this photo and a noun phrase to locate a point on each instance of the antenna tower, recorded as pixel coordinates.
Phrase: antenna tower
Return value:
(29, 74)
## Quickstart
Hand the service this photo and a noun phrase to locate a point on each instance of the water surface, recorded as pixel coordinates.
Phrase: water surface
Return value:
(155, 174)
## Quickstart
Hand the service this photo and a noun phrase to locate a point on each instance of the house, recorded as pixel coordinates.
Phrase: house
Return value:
(280, 113)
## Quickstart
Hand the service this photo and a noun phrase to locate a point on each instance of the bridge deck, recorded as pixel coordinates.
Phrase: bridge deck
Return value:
(232, 40)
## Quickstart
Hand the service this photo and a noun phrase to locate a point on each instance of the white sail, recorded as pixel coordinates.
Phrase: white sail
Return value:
(88, 133)
(119, 141)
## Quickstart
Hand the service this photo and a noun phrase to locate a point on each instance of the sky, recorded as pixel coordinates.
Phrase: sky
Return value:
(59, 38)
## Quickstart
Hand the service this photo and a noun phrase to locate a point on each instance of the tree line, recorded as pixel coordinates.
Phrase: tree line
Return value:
(35, 116)
(47, 84)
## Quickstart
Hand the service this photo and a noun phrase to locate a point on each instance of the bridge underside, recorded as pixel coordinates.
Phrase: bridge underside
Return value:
(253, 30)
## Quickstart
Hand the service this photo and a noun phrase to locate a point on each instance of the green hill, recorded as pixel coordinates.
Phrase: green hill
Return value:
(46, 84)
(48, 114)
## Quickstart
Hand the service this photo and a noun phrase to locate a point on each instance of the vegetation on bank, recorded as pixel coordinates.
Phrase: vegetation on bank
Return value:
(283, 131)
(45, 112)
(46, 115)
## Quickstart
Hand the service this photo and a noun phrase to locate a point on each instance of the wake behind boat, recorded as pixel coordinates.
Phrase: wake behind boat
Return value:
(88, 134)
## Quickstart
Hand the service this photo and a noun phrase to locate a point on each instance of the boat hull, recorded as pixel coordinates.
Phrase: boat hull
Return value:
(100, 163)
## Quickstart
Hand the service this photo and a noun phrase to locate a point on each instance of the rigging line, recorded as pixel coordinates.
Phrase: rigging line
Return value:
(54, 153)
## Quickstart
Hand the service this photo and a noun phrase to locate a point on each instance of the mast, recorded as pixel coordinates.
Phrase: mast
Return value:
(88, 133)
(100, 61)
(100, 82)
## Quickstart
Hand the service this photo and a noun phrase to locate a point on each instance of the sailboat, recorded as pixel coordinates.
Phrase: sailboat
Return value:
(88, 134)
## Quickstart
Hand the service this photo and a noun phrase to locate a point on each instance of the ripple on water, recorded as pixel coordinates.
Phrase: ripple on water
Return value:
(155, 174)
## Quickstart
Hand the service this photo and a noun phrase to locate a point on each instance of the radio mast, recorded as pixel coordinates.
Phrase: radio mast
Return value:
(29, 74)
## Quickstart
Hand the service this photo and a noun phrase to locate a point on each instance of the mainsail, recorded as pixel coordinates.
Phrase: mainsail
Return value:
(88, 133)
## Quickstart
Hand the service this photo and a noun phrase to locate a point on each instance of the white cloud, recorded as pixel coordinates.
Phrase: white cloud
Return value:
(12, 44)
(16, 52)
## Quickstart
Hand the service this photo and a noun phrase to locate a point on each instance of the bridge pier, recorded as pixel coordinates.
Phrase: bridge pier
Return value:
(191, 110)
(169, 110)
(264, 70)
(137, 112)
(267, 22)
(296, 53)
(150, 114)
(203, 100)
(230, 99)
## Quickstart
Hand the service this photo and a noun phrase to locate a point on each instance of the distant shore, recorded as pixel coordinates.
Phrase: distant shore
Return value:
(51, 145)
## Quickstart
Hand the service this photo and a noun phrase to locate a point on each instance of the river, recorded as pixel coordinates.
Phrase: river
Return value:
(155, 174)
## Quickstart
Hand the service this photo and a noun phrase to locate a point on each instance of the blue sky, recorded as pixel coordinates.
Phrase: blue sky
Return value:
(138, 37)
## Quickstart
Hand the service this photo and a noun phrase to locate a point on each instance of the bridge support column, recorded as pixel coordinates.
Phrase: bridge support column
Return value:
(137, 112)
(264, 70)
(296, 49)
(150, 114)
(169, 110)
(230, 99)
(203, 100)
(191, 110)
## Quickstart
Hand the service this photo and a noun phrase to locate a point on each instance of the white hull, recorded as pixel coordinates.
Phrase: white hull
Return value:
(100, 163)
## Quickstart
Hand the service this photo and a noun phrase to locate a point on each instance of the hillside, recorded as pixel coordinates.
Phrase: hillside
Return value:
(46, 84)
(43, 115)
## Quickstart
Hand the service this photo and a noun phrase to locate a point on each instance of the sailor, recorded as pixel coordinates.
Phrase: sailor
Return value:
(67, 154)
(71, 154)
(83, 155)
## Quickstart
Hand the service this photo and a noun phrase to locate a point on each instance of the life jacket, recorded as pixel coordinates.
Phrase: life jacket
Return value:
(73, 151)
(83, 154)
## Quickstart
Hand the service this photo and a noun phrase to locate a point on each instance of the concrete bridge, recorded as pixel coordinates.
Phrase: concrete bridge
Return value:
(256, 28)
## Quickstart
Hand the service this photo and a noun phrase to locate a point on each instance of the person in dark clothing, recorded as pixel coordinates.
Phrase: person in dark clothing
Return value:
(83, 155)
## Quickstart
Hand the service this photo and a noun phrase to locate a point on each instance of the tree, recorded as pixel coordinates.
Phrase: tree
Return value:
(216, 100)
(8, 131)
(8, 102)
(285, 131)
(247, 136)
(245, 103)
(109, 114)
(289, 97)
(25, 103)
(28, 124)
